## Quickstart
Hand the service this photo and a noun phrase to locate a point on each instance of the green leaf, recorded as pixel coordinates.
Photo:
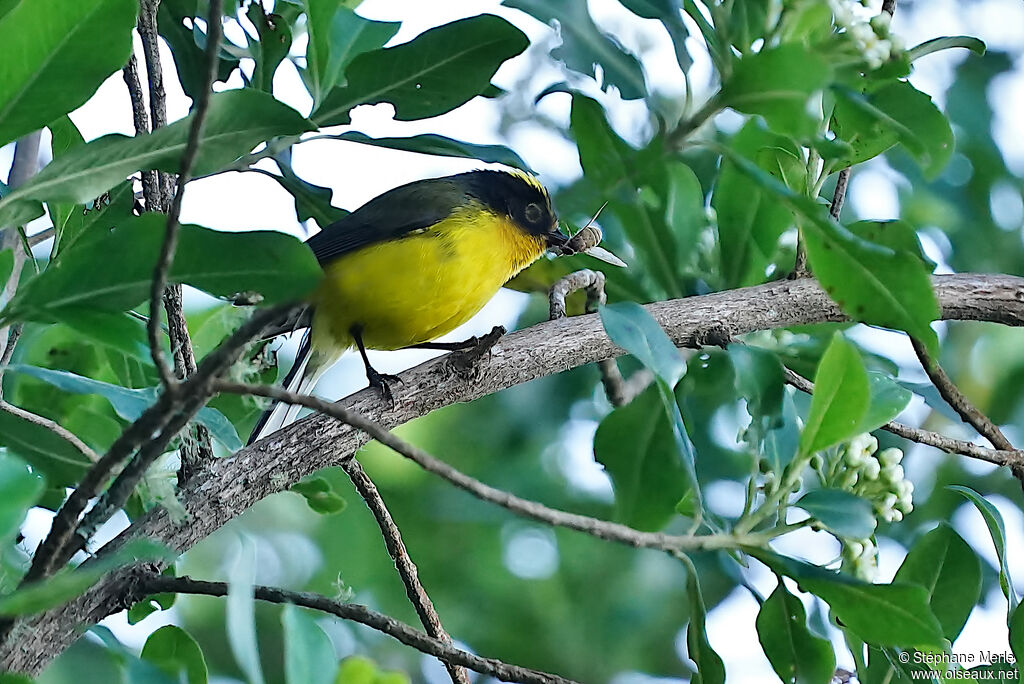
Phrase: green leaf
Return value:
(429, 143)
(584, 46)
(61, 463)
(777, 83)
(796, 655)
(320, 495)
(887, 401)
(946, 43)
(947, 567)
(840, 398)
(175, 652)
(894, 614)
(275, 40)
(895, 113)
(1017, 635)
(276, 266)
(188, 45)
(6, 266)
(997, 529)
(761, 381)
(130, 403)
(19, 489)
(872, 283)
(667, 12)
(65, 49)
(149, 605)
(710, 668)
(336, 36)
(636, 446)
(631, 327)
(845, 514)
(434, 73)
(69, 583)
(751, 219)
(308, 653)
(238, 121)
(241, 613)
(311, 201)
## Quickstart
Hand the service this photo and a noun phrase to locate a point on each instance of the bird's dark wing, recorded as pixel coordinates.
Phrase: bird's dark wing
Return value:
(397, 212)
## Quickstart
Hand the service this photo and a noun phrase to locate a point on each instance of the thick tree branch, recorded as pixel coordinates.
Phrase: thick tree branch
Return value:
(158, 584)
(403, 562)
(224, 488)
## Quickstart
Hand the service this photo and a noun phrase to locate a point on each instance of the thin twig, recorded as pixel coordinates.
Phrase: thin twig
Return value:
(403, 562)
(1004, 457)
(839, 196)
(960, 403)
(151, 422)
(170, 243)
(151, 188)
(41, 236)
(531, 509)
(889, 6)
(150, 39)
(160, 584)
(62, 432)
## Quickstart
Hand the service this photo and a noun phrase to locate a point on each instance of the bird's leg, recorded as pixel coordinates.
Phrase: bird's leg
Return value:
(465, 360)
(448, 346)
(379, 380)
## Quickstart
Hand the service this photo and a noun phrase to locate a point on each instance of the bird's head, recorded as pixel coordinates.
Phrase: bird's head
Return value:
(521, 197)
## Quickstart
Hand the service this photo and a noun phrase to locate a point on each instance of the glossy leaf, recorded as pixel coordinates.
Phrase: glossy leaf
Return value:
(311, 201)
(61, 463)
(238, 121)
(6, 266)
(336, 36)
(751, 219)
(308, 653)
(188, 45)
(275, 266)
(896, 113)
(130, 403)
(843, 513)
(429, 143)
(777, 83)
(947, 567)
(19, 489)
(636, 446)
(997, 530)
(894, 614)
(69, 583)
(871, 283)
(888, 399)
(434, 73)
(1016, 622)
(668, 13)
(631, 327)
(946, 43)
(797, 655)
(176, 653)
(584, 46)
(710, 668)
(840, 400)
(275, 40)
(65, 49)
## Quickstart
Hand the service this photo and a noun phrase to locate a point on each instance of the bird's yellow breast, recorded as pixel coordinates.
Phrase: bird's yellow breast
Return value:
(423, 285)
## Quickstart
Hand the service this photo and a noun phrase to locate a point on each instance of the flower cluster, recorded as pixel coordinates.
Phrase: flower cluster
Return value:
(877, 477)
(873, 39)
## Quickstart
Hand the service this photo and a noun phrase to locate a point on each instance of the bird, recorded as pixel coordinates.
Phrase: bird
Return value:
(413, 264)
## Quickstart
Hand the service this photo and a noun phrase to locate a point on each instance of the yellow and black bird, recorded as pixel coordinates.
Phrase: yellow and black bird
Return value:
(415, 263)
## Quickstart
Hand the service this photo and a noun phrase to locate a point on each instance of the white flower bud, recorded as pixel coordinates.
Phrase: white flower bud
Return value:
(871, 469)
(880, 23)
(855, 548)
(893, 474)
(890, 456)
(905, 488)
(888, 501)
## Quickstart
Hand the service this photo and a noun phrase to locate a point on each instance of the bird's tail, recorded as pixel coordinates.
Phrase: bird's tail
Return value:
(302, 378)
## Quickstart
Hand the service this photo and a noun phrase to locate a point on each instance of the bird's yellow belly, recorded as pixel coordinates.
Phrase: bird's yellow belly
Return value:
(419, 287)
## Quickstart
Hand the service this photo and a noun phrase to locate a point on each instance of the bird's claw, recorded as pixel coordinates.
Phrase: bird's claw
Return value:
(382, 382)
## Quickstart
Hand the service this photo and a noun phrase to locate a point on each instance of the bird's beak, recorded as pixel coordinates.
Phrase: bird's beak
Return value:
(555, 238)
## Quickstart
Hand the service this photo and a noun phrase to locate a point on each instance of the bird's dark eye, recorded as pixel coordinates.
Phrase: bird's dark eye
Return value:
(533, 212)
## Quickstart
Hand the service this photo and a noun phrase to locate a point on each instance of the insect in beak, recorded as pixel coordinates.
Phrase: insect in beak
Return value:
(587, 241)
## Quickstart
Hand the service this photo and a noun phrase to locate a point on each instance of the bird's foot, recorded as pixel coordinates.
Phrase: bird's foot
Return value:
(465, 362)
(382, 382)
